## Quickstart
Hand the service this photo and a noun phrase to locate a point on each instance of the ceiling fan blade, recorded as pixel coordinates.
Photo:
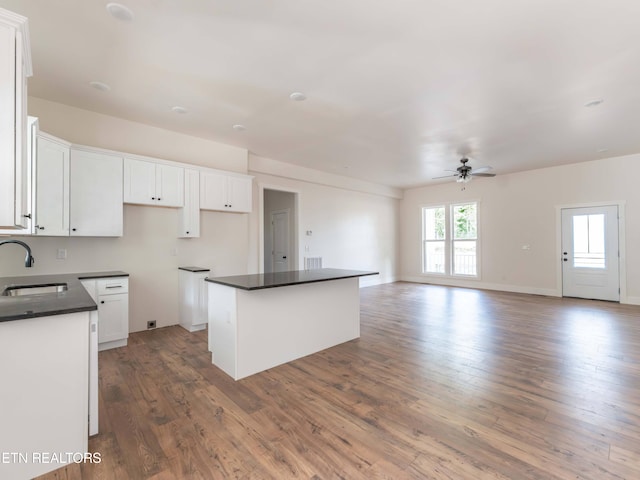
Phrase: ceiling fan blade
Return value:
(482, 169)
(482, 174)
(446, 176)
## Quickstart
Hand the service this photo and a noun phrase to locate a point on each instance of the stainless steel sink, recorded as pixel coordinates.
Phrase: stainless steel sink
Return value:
(20, 290)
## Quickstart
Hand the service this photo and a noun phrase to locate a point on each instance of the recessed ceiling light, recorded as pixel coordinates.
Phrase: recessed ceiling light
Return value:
(602, 150)
(119, 12)
(103, 87)
(297, 96)
(594, 103)
(239, 128)
(178, 109)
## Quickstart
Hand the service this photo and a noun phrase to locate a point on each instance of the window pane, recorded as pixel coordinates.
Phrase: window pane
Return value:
(588, 241)
(464, 258)
(434, 223)
(434, 257)
(465, 222)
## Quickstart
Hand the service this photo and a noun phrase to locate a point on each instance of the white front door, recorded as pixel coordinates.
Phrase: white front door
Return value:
(280, 231)
(590, 261)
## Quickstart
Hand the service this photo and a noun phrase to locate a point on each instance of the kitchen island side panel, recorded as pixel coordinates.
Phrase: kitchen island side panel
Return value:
(279, 325)
(222, 327)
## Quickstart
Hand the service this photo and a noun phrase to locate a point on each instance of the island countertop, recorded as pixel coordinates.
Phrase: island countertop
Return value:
(260, 281)
(74, 299)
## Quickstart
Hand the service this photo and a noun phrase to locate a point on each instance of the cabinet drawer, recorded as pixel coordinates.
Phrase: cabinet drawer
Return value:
(110, 286)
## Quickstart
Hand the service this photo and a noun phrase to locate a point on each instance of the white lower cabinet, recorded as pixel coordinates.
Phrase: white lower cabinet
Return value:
(112, 297)
(193, 298)
(45, 384)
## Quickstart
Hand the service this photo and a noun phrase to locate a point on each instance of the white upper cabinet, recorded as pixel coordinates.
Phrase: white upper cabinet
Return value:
(150, 183)
(95, 187)
(189, 215)
(51, 186)
(225, 192)
(29, 188)
(15, 67)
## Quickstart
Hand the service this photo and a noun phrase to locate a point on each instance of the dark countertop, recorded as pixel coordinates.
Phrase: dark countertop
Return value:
(261, 281)
(74, 299)
(194, 269)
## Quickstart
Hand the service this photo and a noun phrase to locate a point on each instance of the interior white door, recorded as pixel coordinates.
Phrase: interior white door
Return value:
(280, 232)
(590, 259)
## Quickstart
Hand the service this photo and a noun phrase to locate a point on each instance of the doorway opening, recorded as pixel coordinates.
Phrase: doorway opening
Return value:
(280, 227)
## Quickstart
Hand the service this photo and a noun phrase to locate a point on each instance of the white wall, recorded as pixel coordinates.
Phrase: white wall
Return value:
(351, 229)
(519, 209)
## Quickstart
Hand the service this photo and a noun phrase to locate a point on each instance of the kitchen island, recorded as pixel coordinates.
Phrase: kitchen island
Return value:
(260, 321)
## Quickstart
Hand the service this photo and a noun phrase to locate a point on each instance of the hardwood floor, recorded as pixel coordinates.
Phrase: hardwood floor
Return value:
(444, 383)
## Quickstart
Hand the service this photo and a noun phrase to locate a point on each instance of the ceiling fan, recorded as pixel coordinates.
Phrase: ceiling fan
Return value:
(464, 172)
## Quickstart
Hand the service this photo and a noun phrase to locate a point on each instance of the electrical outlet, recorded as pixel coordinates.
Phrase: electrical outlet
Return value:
(151, 324)
(61, 254)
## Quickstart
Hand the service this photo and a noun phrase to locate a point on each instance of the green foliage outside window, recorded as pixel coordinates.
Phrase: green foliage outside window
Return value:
(465, 222)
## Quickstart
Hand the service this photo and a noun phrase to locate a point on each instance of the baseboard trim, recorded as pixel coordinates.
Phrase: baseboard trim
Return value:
(372, 280)
(632, 301)
(483, 285)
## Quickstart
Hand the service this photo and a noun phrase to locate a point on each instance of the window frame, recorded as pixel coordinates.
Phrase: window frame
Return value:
(449, 241)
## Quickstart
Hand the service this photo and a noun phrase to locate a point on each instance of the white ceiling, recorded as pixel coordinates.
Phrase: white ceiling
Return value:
(396, 91)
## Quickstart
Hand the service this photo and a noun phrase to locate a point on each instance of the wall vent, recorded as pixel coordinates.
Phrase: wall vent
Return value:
(312, 263)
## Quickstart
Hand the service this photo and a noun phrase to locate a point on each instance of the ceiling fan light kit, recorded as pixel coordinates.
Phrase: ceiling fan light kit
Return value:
(464, 173)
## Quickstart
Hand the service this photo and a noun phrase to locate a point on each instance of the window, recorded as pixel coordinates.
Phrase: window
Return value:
(434, 237)
(588, 241)
(450, 239)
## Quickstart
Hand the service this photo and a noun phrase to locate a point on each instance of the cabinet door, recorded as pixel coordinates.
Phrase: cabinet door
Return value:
(113, 317)
(96, 194)
(189, 215)
(14, 167)
(239, 194)
(203, 300)
(139, 182)
(7, 126)
(169, 185)
(213, 191)
(23, 167)
(29, 188)
(52, 188)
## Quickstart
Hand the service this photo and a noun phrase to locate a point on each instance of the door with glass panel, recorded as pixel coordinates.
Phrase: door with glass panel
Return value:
(590, 261)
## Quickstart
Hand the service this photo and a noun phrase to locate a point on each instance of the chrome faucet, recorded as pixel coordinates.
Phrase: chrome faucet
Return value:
(28, 260)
